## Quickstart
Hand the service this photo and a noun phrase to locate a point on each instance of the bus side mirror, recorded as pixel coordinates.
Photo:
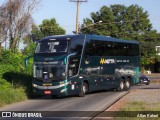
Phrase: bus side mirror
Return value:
(26, 60)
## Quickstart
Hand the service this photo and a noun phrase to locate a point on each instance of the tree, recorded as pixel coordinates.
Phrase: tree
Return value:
(91, 26)
(16, 20)
(148, 43)
(123, 22)
(118, 21)
(51, 27)
(47, 28)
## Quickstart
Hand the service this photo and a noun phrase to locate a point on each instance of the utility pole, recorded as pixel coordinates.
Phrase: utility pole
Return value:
(77, 14)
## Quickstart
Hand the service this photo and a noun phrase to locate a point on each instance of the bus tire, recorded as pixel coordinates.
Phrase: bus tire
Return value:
(127, 84)
(121, 86)
(84, 89)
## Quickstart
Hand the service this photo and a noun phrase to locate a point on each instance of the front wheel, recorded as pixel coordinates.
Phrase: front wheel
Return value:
(84, 89)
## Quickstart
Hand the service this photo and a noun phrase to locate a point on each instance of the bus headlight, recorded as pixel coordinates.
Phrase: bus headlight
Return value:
(34, 85)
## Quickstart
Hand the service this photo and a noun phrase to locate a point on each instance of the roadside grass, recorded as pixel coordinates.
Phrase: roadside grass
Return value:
(155, 81)
(15, 78)
(132, 108)
(10, 94)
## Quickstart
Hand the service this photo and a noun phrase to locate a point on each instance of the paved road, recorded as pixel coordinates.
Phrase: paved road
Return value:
(143, 86)
(92, 102)
(155, 76)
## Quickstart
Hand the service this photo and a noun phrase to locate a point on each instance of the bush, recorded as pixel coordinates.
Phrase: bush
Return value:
(15, 60)
(12, 95)
(6, 68)
(15, 79)
(9, 94)
(4, 84)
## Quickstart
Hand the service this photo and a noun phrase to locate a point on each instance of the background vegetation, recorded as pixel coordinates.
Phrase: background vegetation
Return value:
(131, 23)
(16, 25)
(15, 79)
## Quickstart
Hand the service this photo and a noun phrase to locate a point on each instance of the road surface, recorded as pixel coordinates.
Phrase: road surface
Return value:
(154, 76)
(97, 102)
(92, 102)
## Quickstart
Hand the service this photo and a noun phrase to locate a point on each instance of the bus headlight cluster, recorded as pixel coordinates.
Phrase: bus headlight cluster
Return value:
(34, 85)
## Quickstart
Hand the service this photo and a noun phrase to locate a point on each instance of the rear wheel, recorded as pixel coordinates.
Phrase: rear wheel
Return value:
(127, 84)
(84, 89)
(121, 86)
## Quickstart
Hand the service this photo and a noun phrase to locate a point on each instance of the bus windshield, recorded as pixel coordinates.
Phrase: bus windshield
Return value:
(52, 47)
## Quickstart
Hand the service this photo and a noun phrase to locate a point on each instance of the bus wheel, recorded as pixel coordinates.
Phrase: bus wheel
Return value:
(127, 84)
(121, 86)
(84, 89)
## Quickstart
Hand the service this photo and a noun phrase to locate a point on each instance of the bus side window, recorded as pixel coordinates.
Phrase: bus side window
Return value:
(90, 49)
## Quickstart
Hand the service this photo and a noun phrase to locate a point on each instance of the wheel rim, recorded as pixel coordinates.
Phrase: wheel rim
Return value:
(121, 85)
(84, 89)
(127, 84)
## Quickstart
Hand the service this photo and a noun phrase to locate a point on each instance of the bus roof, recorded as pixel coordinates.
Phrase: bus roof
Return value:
(91, 37)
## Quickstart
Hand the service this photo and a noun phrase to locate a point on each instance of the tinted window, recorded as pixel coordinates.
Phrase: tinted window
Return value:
(76, 46)
(134, 50)
(52, 47)
(90, 48)
(121, 49)
(107, 48)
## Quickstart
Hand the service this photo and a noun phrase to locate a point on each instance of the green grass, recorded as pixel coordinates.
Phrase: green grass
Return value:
(15, 78)
(12, 95)
(136, 107)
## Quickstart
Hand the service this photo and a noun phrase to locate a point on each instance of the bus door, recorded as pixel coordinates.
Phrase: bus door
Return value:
(73, 65)
(107, 73)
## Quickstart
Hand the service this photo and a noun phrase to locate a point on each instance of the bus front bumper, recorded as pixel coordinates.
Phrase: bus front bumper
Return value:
(58, 90)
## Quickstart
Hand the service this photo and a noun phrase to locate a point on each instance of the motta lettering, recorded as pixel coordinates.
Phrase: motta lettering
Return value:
(107, 61)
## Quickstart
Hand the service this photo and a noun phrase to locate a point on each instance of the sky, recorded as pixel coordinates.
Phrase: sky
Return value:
(65, 12)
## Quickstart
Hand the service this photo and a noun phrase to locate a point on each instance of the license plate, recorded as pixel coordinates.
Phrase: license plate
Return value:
(47, 92)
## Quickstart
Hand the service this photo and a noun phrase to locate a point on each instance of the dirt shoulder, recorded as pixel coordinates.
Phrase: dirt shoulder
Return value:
(143, 97)
(148, 95)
